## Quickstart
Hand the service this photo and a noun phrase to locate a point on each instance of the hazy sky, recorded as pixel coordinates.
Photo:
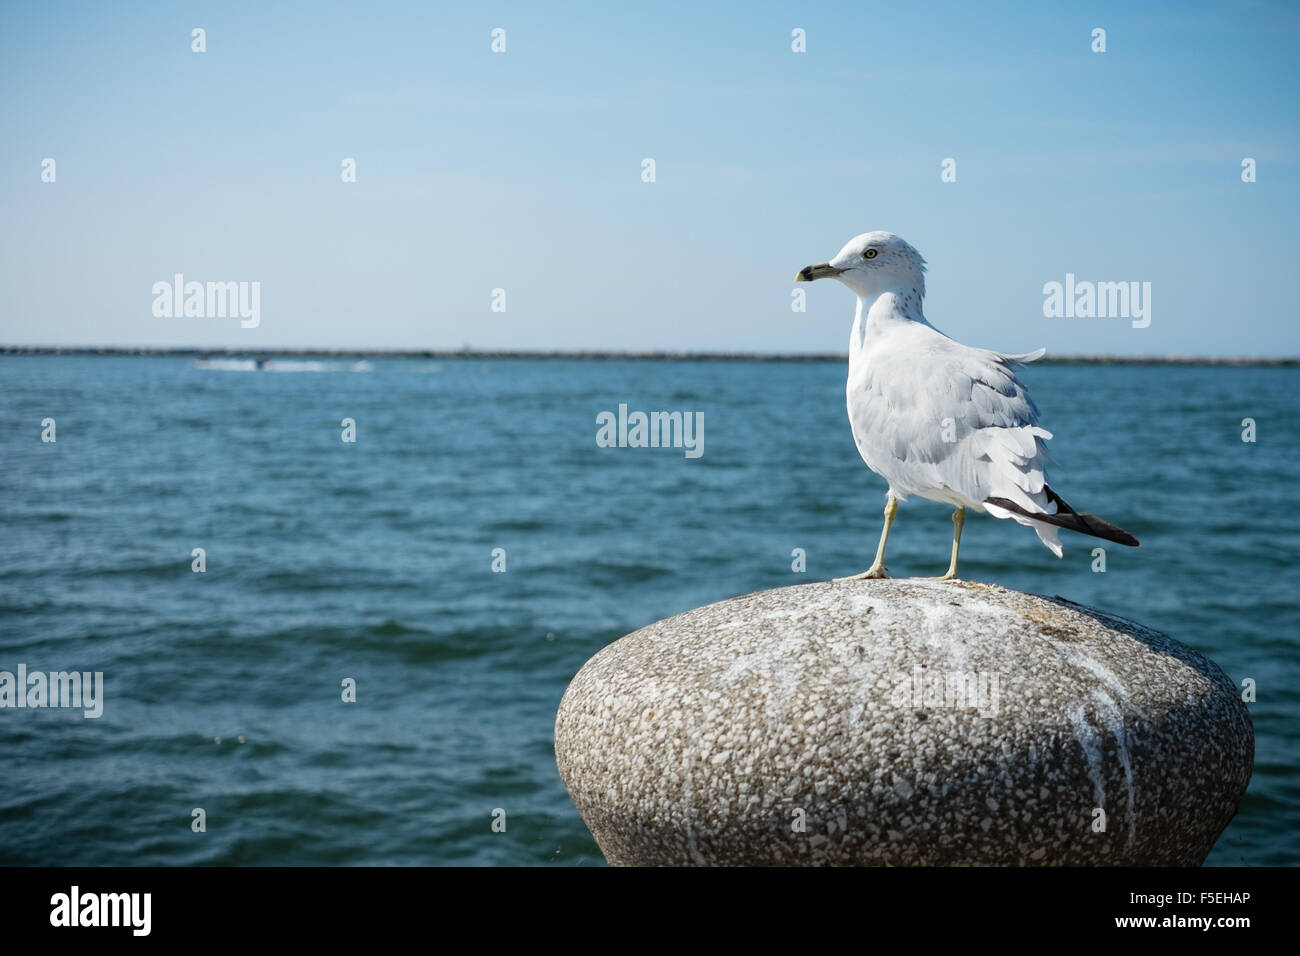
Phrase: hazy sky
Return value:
(523, 170)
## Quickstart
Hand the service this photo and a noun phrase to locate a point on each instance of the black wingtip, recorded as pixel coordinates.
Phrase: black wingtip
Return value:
(1071, 520)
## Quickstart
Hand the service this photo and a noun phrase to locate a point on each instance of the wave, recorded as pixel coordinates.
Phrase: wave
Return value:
(226, 365)
(279, 365)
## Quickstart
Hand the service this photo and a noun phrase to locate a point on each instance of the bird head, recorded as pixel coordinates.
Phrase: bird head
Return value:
(873, 263)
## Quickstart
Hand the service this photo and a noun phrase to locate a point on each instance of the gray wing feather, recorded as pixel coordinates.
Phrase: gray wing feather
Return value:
(948, 417)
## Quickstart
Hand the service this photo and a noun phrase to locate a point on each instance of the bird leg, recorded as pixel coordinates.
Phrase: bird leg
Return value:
(958, 519)
(877, 569)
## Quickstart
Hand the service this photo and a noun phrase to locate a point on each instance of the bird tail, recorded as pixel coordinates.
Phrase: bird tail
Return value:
(1067, 517)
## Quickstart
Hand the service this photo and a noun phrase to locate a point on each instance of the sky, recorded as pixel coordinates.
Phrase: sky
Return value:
(523, 171)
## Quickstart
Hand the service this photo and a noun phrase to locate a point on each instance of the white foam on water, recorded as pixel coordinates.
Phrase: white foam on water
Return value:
(226, 365)
(279, 365)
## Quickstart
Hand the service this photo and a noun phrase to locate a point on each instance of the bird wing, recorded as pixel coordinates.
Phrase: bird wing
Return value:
(943, 420)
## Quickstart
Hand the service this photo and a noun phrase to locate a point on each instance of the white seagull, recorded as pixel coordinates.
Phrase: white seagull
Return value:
(936, 418)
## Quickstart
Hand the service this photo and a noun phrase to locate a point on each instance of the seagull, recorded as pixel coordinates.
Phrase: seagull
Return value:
(936, 418)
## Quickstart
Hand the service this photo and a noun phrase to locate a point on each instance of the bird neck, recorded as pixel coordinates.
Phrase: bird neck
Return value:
(891, 307)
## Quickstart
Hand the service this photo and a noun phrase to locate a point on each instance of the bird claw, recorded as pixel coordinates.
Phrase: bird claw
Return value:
(875, 571)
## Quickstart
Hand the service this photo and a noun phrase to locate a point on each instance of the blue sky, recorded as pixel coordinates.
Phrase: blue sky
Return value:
(522, 170)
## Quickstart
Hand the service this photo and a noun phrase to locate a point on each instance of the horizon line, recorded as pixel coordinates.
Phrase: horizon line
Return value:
(467, 352)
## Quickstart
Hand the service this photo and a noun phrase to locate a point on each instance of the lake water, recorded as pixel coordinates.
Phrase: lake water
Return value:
(372, 560)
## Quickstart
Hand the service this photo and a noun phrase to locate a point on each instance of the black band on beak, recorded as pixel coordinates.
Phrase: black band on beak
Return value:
(823, 270)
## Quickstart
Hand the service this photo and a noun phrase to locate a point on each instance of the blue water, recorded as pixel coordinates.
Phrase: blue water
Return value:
(372, 560)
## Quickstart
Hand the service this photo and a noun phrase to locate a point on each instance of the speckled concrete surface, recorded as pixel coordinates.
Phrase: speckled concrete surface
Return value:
(902, 722)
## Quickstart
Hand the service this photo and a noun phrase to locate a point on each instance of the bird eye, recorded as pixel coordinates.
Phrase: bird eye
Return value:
(869, 254)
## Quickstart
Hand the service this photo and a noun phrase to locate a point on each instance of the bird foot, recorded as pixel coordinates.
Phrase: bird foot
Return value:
(875, 571)
(950, 576)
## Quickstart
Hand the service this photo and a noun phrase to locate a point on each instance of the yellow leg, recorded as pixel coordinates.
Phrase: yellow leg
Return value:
(958, 520)
(877, 569)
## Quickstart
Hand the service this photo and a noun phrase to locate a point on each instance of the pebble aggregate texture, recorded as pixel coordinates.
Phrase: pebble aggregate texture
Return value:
(902, 723)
